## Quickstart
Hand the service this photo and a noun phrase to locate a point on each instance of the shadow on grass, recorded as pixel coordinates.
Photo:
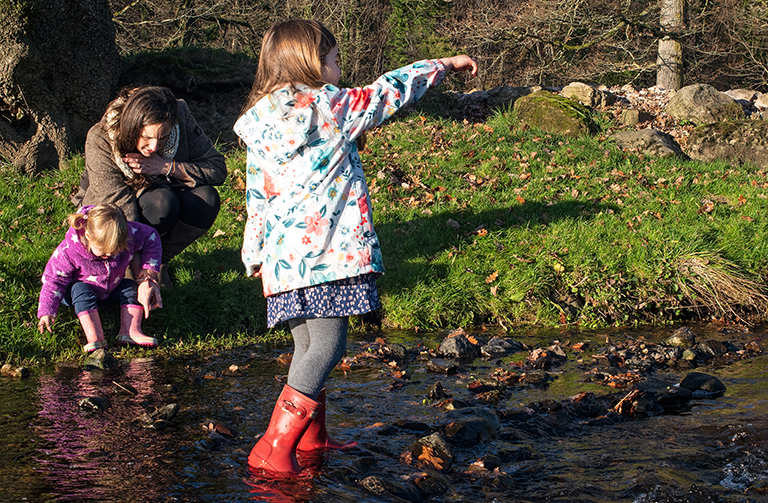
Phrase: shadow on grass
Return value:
(211, 295)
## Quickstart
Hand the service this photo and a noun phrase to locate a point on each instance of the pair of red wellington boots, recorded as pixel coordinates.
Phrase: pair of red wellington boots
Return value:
(297, 424)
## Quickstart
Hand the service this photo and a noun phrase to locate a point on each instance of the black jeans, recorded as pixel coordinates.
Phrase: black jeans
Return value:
(164, 206)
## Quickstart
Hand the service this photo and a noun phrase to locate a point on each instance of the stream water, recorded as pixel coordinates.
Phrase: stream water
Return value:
(57, 449)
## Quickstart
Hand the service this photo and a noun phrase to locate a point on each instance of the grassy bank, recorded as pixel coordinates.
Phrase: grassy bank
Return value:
(481, 224)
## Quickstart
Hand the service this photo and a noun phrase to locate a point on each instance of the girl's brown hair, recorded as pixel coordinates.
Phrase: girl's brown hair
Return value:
(292, 53)
(106, 225)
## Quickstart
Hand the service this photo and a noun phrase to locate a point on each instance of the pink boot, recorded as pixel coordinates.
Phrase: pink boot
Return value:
(316, 437)
(94, 334)
(130, 327)
(275, 452)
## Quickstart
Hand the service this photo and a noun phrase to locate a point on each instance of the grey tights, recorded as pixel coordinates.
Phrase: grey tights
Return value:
(319, 344)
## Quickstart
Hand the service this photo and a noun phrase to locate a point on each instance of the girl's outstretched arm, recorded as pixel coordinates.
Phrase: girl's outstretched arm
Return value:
(460, 63)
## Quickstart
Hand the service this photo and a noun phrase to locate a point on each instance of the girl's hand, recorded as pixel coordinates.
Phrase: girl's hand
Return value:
(154, 165)
(46, 323)
(460, 64)
(149, 296)
(256, 272)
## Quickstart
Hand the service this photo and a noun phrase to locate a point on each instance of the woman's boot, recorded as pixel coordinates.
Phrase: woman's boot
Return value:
(130, 327)
(94, 333)
(316, 437)
(276, 449)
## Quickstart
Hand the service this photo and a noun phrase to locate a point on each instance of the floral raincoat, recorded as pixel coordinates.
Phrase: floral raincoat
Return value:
(309, 213)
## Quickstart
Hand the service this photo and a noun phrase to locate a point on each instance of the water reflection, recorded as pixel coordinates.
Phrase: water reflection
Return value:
(95, 455)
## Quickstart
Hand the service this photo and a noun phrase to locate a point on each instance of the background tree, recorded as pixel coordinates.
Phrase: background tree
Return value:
(60, 67)
(670, 61)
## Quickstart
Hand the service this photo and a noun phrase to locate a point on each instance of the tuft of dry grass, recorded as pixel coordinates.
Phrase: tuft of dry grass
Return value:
(713, 285)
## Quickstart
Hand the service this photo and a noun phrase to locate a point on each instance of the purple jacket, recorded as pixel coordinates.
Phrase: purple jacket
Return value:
(72, 262)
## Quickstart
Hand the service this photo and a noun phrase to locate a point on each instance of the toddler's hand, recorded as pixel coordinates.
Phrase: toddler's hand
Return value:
(460, 63)
(46, 323)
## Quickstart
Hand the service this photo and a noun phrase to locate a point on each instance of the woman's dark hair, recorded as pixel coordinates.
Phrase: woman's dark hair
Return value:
(143, 106)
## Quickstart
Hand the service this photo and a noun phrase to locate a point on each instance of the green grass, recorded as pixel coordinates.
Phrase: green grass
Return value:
(480, 224)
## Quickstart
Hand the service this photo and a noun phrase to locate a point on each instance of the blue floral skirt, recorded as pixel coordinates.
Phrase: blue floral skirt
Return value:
(344, 297)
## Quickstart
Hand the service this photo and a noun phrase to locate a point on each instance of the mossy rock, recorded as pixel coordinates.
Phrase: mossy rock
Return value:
(736, 142)
(555, 114)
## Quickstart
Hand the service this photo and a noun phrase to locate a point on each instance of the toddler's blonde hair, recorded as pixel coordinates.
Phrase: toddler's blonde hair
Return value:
(106, 225)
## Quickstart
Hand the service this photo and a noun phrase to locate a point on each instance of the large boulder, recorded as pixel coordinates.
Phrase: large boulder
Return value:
(703, 104)
(649, 142)
(736, 142)
(554, 114)
(588, 95)
(59, 70)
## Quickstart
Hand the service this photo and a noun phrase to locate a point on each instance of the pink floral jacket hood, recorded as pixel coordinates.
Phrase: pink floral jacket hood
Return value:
(309, 213)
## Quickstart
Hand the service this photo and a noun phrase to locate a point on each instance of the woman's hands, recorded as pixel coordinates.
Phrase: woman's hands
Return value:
(154, 165)
(460, 63)
(149, 292)
(46, 323)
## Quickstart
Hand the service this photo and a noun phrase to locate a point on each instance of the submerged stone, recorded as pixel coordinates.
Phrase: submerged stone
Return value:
(701, 384)
(94, 403)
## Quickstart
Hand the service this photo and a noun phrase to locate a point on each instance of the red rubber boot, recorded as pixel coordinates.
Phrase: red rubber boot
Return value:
(316, 437)
(276, 451)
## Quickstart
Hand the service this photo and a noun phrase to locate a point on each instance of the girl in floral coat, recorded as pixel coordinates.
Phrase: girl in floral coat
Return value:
(309, 232)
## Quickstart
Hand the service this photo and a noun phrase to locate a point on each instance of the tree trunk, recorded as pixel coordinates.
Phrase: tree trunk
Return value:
(60, 69)
(669, 73)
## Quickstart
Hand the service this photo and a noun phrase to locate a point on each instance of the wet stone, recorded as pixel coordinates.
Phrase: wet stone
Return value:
(515, 454)
(94, 403)
(439, 366)
(166, 412)
(458, 347)
(396, 352)
(433, 451)
(484, 385)
(9, 370)
(498, 482)
(474, 425)
(691, 355)
(363, 464)
(712, 347)
(384, 488)
(432, 484)
(674, 398)
(454, 404)
(412, 425)
(437, 392)
(701, 384)
(101, 359)
(535, 378)
(499, 347)
(683, 337)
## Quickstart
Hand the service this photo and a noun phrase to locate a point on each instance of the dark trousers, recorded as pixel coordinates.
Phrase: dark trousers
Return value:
(180, 215)
(164, 206)
(80, 296)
